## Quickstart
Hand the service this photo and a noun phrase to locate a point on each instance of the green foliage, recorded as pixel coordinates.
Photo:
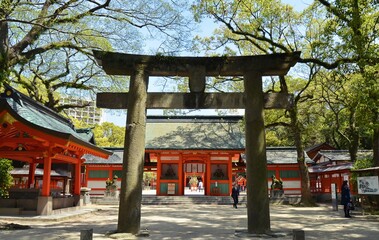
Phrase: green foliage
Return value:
(363, 163)
(106, 134)
(109, 135)
(6, 178)
(46, 46)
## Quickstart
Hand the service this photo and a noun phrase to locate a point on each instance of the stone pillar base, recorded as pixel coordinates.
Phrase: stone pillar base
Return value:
(45, 205)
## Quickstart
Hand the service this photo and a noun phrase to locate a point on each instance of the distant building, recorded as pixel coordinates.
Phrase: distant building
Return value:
(90, 114)
(211, 148)
(332, 167)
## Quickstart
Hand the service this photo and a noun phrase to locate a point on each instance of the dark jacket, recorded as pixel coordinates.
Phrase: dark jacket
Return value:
(345, 195)
(235, 192)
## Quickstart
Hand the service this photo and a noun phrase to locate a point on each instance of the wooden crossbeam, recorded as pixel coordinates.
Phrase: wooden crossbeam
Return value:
(194, 100)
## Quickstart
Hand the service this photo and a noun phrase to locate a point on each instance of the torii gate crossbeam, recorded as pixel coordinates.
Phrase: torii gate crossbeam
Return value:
(141, 67)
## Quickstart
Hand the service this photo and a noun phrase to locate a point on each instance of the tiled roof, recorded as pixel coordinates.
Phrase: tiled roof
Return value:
(200, 133)
(115, 158)
(313, 147)
(342, 155)
(87, 134)
(38, 116)
(330, 168)
(195, 133)
(39, 172)
(283, 155)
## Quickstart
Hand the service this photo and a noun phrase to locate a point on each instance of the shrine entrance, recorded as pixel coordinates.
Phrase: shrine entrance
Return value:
(194, 177)
(253, 100)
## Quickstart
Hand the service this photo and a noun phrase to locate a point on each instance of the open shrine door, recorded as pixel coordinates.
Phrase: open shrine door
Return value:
(194, 177)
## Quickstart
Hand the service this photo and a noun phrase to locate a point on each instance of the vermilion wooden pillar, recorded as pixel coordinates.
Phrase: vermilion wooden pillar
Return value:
(77, 178)
(46, 176)
(180, 176)
(230, 172)
(159, 170)
(208, 175)
(31, 176)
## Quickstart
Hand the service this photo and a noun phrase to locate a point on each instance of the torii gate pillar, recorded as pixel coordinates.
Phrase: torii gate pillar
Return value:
(258, 212)
(134, 153)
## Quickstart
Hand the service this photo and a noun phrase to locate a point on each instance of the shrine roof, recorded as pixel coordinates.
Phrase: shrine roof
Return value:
(341, 155)
(282, 155)
(275, 155)
(319, 146)
(34, 114)
(39, 172)
(86, 134)
(202, 133)
(115, 158)
(330, 168)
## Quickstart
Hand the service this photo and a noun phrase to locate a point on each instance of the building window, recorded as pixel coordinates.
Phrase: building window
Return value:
(289, 174)
(98, 174)
(169, 171)
(270, 173)
(219, 172)
(117, 173)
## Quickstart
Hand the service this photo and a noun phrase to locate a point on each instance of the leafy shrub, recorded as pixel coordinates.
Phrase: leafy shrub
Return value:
(6, 179)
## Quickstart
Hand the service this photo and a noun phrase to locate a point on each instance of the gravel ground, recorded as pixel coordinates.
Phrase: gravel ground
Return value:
(192, 222)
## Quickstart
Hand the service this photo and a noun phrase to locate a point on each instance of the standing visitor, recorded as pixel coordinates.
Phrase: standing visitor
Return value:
(235, 194)
(345, 198)
(200, 186)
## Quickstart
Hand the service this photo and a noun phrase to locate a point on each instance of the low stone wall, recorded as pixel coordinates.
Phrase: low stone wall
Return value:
(24, 204)
(22, 193)
(65, 202)
(39, 206)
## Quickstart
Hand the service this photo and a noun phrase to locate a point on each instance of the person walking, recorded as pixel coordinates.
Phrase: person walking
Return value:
(345, 198)
(235, 194)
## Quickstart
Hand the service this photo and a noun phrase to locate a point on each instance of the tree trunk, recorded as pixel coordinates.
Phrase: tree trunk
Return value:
(3, 48)
(376, 140)
(354, 136)
(306, 196)
(129, 216)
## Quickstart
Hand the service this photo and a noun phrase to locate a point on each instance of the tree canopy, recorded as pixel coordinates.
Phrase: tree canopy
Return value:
(46, 46)
(340, 59)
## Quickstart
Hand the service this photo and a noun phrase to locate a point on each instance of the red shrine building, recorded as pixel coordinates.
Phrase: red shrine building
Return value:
(210, 148)
(332, 167)
(46, 151)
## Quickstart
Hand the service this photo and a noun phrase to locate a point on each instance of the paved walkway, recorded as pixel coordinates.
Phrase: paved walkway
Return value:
(195, 222)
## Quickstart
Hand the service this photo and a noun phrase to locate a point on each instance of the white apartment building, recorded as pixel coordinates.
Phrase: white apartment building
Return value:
(90, 114)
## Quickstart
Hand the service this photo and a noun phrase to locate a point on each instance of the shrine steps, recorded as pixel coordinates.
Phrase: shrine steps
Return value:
(207, 200)
(175, 200)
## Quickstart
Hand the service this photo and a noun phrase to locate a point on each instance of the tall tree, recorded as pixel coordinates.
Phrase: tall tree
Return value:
(351, 31)
(345, 36)
(46, 46)
(262, 27)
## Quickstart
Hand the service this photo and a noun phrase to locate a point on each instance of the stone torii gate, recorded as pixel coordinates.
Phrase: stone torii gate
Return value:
(137, 100)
